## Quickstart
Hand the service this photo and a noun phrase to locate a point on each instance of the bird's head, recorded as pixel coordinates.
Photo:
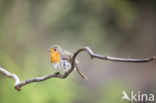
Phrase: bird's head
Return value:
(55, 48)
(55, 51)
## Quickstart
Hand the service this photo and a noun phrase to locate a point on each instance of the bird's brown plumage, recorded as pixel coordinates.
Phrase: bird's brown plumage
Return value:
(66, 55)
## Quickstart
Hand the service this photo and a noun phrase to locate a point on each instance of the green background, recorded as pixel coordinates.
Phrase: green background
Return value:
(120, 28)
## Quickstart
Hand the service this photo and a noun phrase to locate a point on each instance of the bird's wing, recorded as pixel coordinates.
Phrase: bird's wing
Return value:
(66, 55)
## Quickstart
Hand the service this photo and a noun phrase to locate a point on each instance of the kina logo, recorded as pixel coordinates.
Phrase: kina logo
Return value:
(138, 96)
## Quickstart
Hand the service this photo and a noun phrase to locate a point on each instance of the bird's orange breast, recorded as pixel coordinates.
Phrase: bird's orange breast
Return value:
(54, 57)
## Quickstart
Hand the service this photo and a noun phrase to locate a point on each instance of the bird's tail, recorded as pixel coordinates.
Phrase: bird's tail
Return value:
(80, 73)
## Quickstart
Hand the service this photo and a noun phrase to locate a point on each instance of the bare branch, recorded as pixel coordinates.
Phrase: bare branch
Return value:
(10, 75)
(93, 55)
(19, 84)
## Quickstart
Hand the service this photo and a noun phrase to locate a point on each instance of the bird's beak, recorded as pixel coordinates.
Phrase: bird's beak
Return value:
(48, 50)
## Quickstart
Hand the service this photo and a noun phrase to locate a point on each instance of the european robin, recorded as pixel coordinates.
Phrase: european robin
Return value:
(61, 60)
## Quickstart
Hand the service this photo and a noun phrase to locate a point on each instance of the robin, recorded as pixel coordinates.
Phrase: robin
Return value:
(61, 60)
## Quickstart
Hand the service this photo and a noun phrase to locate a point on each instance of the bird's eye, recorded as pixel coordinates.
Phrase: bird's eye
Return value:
(55, 49)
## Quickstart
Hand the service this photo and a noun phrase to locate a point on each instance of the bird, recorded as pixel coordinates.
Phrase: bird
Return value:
(61, 60)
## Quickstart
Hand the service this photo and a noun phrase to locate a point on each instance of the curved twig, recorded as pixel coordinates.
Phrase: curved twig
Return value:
(10, 75)
(19, 84)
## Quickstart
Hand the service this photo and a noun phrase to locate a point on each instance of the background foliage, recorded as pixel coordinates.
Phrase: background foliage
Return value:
(121, 28)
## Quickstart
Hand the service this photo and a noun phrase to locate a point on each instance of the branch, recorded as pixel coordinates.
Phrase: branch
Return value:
(10, 75)
(19, 84)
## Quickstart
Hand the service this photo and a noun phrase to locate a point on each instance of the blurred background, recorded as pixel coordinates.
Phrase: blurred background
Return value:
(119, 28)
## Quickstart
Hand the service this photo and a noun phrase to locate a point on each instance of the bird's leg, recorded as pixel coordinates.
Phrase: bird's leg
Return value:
(80, 73)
